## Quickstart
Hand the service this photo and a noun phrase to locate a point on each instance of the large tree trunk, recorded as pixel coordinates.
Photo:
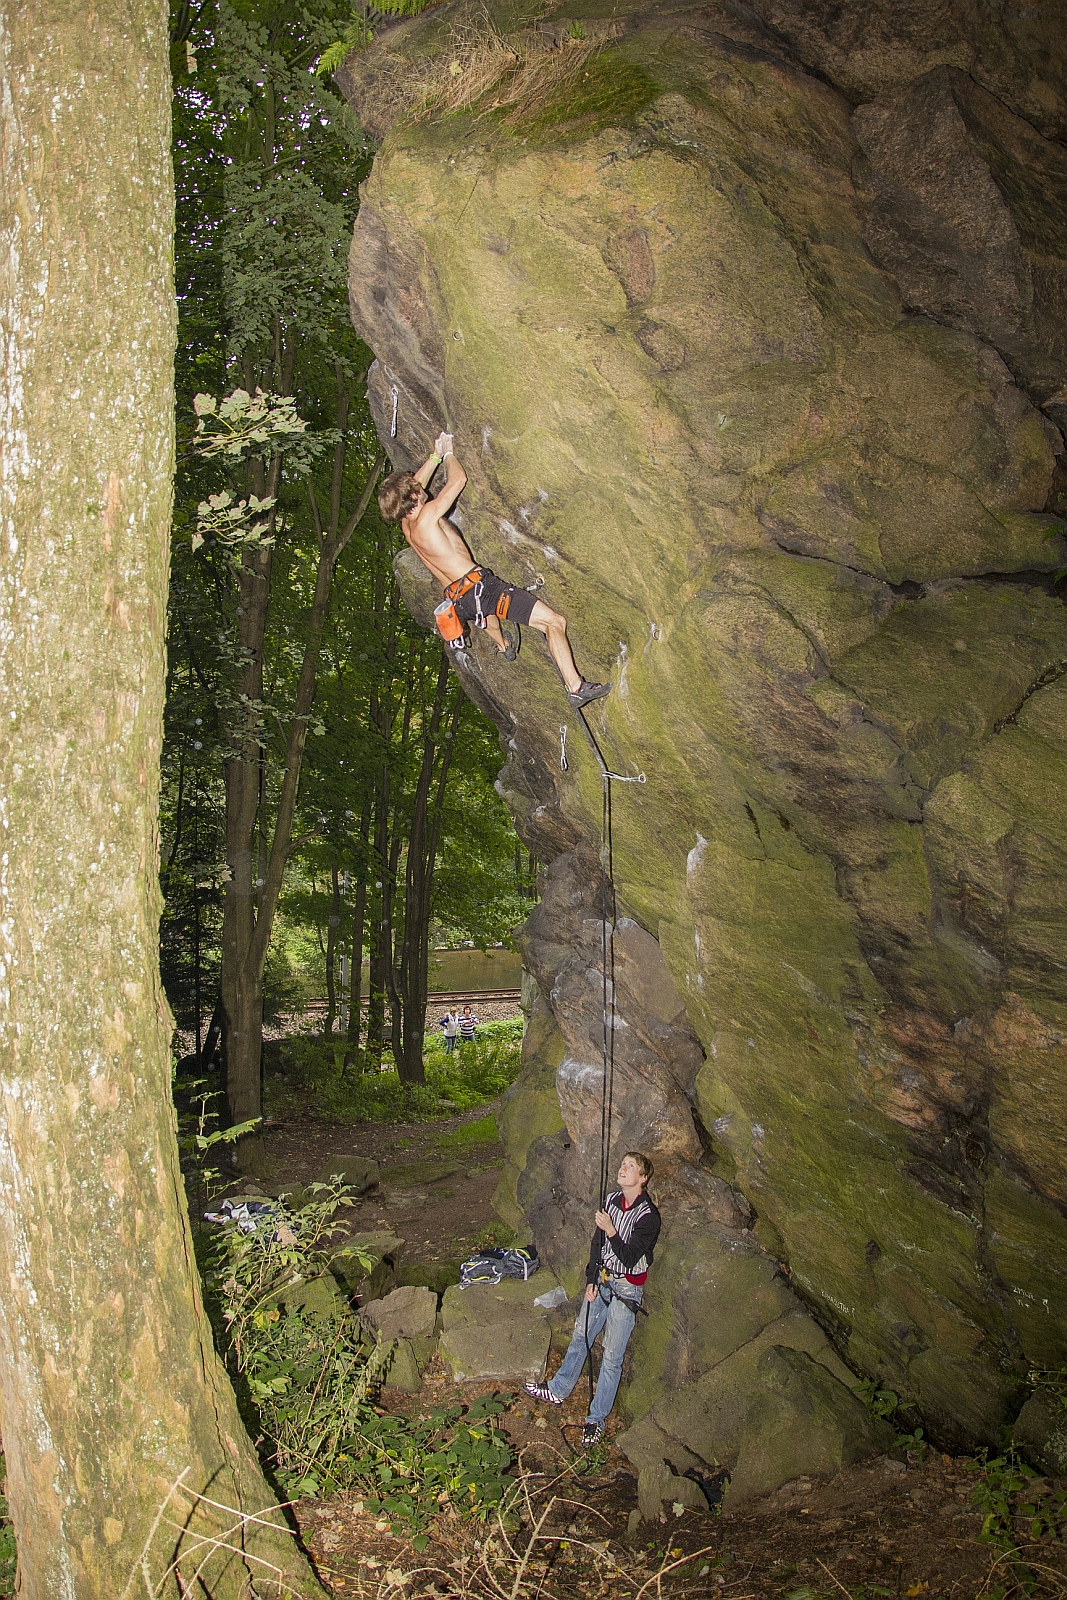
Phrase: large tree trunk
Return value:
(331, 950)
(117, 1418)
(248, 919)
(423, 841)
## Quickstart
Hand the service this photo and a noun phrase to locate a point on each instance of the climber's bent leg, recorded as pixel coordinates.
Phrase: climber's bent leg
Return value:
(619, 1326)
(570, 1369)
(554, 628)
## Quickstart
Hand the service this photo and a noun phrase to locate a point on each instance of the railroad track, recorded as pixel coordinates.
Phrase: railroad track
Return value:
(466, 997)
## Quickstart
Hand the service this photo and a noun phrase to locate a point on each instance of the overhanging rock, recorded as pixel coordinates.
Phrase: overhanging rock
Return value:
(723, 374)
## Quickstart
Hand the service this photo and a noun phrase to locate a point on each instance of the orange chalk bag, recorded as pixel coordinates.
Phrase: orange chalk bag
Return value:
(448, 624)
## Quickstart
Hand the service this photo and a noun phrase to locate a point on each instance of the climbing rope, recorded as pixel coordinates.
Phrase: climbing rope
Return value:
(607, 967)
(607, 942)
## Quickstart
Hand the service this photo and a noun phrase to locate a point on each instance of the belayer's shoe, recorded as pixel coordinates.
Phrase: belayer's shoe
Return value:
(587, 692)
(512, 638)
(592, 1434)
(541, 1391)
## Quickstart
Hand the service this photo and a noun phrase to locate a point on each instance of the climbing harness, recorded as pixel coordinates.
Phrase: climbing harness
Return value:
(446, 618)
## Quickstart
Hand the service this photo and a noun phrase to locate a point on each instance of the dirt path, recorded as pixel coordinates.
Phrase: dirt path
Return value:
(440, 1218)
(881, 1529)
(891, 1528)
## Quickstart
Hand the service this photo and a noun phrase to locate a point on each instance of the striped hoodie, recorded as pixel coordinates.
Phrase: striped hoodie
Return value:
(629, 1254)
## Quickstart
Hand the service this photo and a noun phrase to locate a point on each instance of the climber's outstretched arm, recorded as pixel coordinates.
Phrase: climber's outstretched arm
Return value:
(455, 477)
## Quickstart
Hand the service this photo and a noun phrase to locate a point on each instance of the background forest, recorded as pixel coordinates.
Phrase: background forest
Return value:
(327, 788)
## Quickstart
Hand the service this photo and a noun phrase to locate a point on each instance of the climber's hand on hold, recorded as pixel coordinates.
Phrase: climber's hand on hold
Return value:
(442, 445)
(591, 1292)
(604, 1222)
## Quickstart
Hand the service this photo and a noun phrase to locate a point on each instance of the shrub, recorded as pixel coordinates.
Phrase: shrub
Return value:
(314, 1069)
(8, 1560)
(312, 1377)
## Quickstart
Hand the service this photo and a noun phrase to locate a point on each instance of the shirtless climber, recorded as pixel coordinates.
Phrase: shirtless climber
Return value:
(477, 594)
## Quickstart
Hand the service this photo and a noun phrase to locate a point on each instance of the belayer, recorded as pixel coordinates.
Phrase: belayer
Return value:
(473, 594)
(619, 1259)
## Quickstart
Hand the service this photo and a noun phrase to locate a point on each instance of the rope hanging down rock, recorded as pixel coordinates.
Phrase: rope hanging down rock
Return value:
(607, 942)
(607, 967)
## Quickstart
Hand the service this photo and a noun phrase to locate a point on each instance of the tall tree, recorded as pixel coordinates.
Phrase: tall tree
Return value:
(269, 160)
(122, 1437)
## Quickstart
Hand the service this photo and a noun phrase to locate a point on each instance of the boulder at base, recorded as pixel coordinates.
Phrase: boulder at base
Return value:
(404, 1371)
(360, 1173)
(495, 1330)
(385, 1251)
(405, 1314)
(768, 1412)
(1040, 1432)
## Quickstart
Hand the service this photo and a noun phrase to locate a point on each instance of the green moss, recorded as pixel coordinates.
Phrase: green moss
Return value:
(1028, 1243)
(415, 1173)
(610, 90)
(707, 1299)
(471, 1134)
(942, 672)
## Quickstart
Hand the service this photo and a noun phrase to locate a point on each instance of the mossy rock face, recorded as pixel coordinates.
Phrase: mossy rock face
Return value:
(804, 531)
(529, 1109)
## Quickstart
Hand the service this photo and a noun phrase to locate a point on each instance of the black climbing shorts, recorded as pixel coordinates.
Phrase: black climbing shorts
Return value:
(516, 607)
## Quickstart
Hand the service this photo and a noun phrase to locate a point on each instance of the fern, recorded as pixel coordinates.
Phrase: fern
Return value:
(360, 31)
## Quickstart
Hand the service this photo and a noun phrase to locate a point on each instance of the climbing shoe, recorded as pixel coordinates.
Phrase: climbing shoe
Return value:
(592, 1434)
(541, 1391)
(512, 640)
(587, 692)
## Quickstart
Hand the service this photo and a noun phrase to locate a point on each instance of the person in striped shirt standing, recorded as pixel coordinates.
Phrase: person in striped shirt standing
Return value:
(619, 1259)
(467, 1024)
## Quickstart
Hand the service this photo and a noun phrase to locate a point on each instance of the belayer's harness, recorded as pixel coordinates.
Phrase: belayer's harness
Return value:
(448, 621)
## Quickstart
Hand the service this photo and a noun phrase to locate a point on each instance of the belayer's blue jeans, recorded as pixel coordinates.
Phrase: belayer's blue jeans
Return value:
(613, 1313)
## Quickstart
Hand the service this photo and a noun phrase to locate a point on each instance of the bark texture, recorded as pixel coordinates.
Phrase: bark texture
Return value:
(111, 1392)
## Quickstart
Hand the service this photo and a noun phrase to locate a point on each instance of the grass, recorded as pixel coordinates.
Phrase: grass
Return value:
(8, 1561)
(525, 82)
(312, 1073)
(531, 86)
(483, 1131)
